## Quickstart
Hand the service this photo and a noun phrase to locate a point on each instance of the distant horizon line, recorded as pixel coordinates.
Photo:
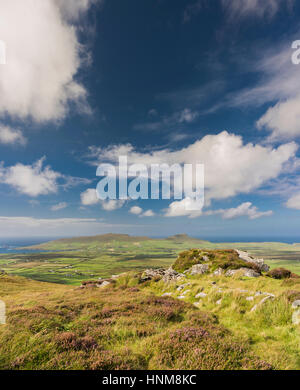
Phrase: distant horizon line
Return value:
(217, 239)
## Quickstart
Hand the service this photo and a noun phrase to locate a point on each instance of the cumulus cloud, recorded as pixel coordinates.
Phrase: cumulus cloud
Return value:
(59, 206)
(44, 56)
(181, 209)
(136, 210)
(278, 85)
(89, 197)
(283, 119)
(112, 204)
(244, 210)
(148, 213)
(32, 180)
(294, 202)
(231, 167)
(11, 136)
(35, 179)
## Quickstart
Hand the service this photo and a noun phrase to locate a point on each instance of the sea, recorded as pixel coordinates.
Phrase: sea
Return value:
(13, 245)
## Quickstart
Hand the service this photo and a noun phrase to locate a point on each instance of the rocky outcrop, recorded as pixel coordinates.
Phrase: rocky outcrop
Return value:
(261, 265)
(248, 272)
(167, 275)
(198, 269)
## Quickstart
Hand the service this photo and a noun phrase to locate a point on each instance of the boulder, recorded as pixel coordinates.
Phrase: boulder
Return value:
(201, 295)
(171, 275)
(199, 269)
(296, 317)
(166, 275)
(248, 272)
(262, 266)
(218, 272)
(167, 294)
(296, 304)
(150, 274)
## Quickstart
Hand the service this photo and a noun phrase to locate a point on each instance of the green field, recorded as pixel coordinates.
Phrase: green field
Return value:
(74, 260)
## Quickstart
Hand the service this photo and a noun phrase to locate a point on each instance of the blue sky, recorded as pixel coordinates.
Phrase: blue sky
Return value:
(164, 80)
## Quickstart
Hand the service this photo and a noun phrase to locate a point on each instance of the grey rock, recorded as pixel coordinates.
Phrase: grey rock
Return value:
(199, 269)
(250, 299)
(219, 302)
(296, 304)
(205, 258)
(248, 272)
(181, 297)
(249, 259)
(167, 294)
(296, 317)
(182, 286)
(103, 284)
(201, 295)
(218, 272)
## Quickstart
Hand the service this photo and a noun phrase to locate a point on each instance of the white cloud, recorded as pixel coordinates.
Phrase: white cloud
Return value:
(43, 57)
(283, 119)
(231, 167)
(32, 180)
(11, 136)
(112, 204)
(244, 209)
(16, 226)
(260, 8)
(183, 208)
(89, 197)
(136, 210)
(148, 213)
(35, 179)
(279, 85)
(59, 206)
(180, 209)
(294, 202)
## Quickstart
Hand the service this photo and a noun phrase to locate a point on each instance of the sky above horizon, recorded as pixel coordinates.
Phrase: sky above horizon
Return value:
(187, 81)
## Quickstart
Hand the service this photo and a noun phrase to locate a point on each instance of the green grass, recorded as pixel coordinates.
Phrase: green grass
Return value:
(130, 325)
(102, 256)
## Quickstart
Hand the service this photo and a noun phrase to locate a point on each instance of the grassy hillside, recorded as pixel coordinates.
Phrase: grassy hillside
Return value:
(78, 259)
(194, 322)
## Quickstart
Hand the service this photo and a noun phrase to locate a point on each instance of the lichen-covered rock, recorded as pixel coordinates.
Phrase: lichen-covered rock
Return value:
(248, 272)
(166, 275)
(201, 295)
(262, 266)
(296, 304)
(296, 317)
(199, 269)
(171, 275)
(218, 272)
(150, 274)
